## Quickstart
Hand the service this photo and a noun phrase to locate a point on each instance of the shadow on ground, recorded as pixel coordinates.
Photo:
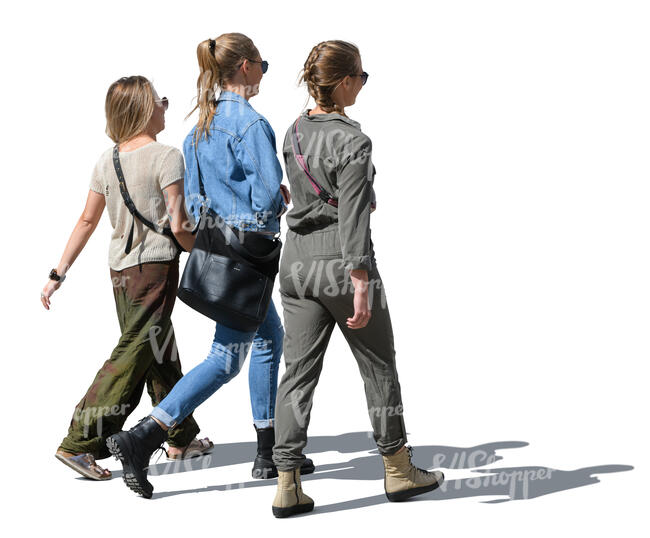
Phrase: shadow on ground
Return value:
(505, 483)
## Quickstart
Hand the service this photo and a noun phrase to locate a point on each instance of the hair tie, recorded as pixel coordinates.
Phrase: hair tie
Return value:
(213, 44)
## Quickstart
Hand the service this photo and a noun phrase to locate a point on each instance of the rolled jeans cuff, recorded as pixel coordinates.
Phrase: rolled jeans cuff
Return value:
(163, 417)
(266, 423)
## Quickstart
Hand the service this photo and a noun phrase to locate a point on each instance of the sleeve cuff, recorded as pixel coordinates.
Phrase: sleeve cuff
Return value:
(283, 210)
(358, 262)
(167, 182)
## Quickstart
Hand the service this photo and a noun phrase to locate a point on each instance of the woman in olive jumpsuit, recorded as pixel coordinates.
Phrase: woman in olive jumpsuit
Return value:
(328, 276)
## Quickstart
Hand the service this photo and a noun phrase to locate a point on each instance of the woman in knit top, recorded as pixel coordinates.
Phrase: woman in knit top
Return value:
(144, 273)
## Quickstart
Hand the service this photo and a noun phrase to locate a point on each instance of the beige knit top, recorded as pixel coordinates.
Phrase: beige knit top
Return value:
(147, 171)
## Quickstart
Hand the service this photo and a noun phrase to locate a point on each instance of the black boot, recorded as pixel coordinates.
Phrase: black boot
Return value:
(134, 449)
(264, 467)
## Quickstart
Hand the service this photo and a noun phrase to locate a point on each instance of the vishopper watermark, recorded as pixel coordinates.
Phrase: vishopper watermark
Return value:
(382, 413)
(301, 408)
(331, 148)
(257, 220)
(329, 278)
(496, 478)
(120, 281)
(90, 415)
(235, 352)
(159, 350)
(517, 481)
(193, 461)
(463, 459)
(212, 92)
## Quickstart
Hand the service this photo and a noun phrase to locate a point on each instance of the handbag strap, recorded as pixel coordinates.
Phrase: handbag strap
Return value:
(322, 193)
(231, 237)
(132, 209)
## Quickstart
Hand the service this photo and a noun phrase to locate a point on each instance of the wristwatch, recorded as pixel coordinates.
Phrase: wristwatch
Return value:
(55, 276)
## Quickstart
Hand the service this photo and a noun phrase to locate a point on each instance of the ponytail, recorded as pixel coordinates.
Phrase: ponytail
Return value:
(219, 60)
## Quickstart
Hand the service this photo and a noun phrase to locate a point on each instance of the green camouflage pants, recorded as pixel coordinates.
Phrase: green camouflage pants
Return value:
(146, 354)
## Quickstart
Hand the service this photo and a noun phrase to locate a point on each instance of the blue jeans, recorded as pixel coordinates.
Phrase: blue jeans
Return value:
(227, 356)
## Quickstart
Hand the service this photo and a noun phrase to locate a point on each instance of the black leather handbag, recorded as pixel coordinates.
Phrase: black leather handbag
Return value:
(229, 274)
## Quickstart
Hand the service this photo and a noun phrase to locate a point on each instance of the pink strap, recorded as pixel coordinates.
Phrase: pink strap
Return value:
(322, 193)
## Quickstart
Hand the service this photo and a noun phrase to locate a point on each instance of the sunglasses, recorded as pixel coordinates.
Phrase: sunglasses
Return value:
(164, 102)
(265, 64)
(364, 77)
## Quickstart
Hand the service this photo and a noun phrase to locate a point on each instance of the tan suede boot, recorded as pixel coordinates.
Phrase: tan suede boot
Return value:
(403, 480)
(289, 498)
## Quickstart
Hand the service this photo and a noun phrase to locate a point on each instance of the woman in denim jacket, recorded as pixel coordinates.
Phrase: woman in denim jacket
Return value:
(236, 151)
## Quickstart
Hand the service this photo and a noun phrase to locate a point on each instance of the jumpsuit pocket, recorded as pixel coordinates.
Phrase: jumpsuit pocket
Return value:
(324, 245)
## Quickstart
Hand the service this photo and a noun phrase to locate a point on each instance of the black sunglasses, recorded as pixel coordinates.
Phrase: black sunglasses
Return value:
(364, 77)
(265, 64)
(164, 102)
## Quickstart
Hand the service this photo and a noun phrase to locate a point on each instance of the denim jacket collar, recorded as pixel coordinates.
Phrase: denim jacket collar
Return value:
(330, 116)
(227, 95)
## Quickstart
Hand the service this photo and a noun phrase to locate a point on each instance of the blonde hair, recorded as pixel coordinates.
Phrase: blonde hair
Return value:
(129, 107)
(327, 65)
(219, 60)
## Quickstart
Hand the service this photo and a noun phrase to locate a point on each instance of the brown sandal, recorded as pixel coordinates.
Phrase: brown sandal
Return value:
(197, 447)
(85, 465)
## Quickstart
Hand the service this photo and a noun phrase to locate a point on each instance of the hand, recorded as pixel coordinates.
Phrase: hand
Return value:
(48, 290)
(362, 311)
(286, 195)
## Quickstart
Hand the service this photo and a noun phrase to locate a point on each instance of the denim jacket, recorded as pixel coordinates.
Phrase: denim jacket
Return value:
(239, 167)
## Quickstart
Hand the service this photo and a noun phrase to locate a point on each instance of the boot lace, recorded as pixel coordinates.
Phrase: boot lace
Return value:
(423, 472)
(162, 449)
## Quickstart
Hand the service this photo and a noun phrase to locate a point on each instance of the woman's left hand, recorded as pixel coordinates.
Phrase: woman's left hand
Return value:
(48, 290)
(286, 195)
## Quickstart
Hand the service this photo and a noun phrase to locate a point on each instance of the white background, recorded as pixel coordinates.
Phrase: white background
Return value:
(511, 146)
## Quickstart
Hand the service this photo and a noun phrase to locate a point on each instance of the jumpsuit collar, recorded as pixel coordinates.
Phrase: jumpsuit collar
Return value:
(330, 116)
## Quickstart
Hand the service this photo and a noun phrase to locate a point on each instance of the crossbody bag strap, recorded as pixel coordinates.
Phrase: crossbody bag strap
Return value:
(198, 167)
(322, 193)
(231, 237)
(133, 210)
